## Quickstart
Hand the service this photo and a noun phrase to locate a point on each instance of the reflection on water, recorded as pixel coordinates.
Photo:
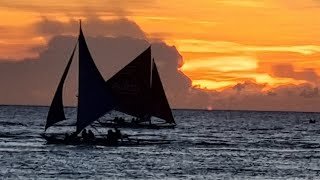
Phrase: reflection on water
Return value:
(205, 145)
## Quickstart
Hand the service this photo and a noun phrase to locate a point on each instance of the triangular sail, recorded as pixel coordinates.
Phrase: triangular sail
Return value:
(131, 86)
(160, 105)
(94, 98)
(56, 111)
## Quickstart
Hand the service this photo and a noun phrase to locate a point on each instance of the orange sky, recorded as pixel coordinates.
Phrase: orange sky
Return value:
(223, 42)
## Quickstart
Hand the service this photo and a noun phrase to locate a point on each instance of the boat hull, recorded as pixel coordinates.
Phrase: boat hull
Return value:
(103, 141)
(137, 126)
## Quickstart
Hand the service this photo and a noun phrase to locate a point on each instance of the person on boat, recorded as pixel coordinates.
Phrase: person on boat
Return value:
(121, 120)
(118, 135)
(84, 135)
(135, 121)
(116, 119)
(312, 120)
(111, 137)
(70, 138)
(146, 118)
(91, 136)
(66, 137)
(73, 135)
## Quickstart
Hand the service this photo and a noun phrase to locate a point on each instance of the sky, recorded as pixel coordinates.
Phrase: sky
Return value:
(234, 54)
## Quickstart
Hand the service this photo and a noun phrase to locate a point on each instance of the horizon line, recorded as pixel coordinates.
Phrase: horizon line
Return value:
(186, 109)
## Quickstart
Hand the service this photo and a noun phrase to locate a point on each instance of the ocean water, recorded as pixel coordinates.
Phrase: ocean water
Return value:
(205, 145)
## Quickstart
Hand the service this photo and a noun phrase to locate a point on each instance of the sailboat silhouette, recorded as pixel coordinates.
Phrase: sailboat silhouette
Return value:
(95, 98)
(138, 91)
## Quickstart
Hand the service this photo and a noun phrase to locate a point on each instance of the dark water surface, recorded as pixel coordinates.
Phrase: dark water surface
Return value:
(205, 145)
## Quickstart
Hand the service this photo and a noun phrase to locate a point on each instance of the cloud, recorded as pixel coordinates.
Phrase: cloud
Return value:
(252, 96)
(248, 87)
(192, 45)
(76, 7)
(223, 64)
(92, 26)
(287, 71)
(244, 3)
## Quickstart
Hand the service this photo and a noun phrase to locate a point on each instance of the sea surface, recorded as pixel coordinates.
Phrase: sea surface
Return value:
(204, 145)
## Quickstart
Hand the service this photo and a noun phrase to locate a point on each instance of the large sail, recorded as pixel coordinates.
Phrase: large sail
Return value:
(131, 86)
(160, 105)
(56, 111)
(94, 98)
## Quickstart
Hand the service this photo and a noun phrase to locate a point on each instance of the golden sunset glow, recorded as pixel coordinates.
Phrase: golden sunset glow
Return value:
(222, 42)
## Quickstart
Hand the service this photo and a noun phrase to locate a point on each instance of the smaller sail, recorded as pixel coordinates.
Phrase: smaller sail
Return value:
(131, 86)
(94, 98)
(159, 102)
(56, 111)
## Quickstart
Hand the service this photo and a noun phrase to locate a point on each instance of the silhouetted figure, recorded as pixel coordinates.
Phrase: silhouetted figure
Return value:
(84, 135)
(66, 137)
(116, 119)
(312, 121)
(90, 135)
(135, 121)
(73, 135)
(71, 138)
(118, 135)
(111, 137)
(121, 120)
(147, 118)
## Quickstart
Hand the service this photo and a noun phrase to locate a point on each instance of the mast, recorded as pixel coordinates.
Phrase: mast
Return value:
(151, 67)
(149, 95)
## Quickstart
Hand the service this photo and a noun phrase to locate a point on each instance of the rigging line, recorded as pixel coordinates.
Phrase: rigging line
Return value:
(151, 69)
